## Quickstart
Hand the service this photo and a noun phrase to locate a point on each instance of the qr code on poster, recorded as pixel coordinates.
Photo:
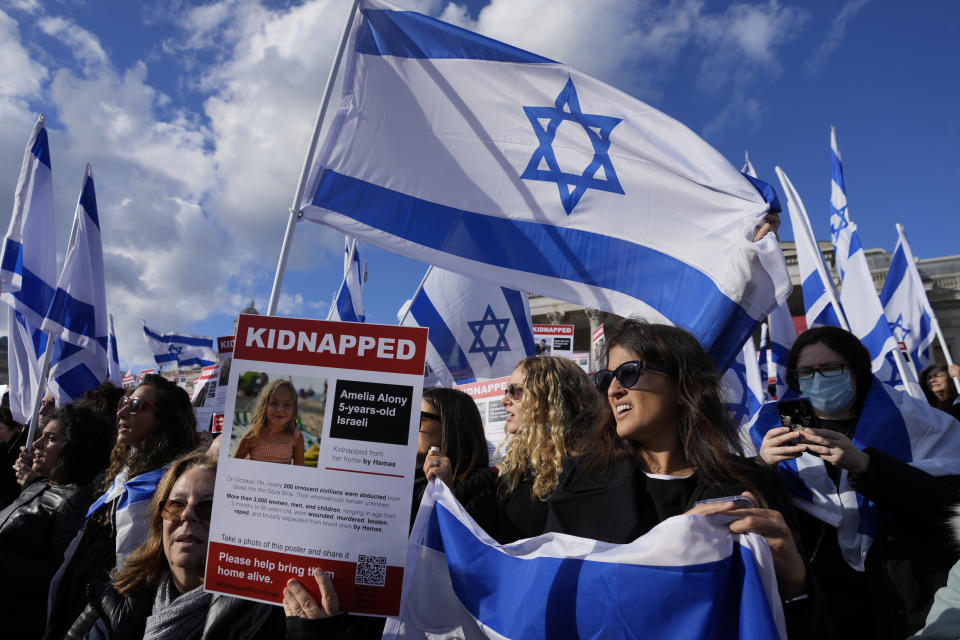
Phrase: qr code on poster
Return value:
(371, 570)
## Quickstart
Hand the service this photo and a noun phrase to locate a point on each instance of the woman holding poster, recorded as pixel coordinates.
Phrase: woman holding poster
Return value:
(273, 434)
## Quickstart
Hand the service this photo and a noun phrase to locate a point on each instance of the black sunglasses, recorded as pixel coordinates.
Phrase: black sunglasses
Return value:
(626, 374)
(172, 510)
(135, 405)
(514, 391)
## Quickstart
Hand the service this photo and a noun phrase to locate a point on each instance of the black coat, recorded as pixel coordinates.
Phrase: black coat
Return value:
(35, 529)
(613, 505)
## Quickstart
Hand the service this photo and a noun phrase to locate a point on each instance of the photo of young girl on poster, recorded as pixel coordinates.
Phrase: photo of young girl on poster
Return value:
(273, 435)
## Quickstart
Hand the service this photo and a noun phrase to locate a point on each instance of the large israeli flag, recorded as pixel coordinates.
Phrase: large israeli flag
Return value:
(891, 421)
(905, 303)
(858, 297)
(688, 578)
(815, 282)
(481, 158)
(28, 271)
(478, 330)
(180, 349)
(348, 302)
(743, 384)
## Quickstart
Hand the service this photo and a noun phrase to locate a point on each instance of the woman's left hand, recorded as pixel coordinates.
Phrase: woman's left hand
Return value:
(297, 601)
(771, 222)
(769, 523)
(837, 449)
(440, 466)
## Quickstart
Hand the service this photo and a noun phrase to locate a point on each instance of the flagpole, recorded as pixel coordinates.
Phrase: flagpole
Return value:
(818, 257)
(295, 213)
(48, 352)
(912, 265)
(416, 293)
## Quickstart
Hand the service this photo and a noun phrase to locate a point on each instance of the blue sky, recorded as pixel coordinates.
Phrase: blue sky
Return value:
(195, 117)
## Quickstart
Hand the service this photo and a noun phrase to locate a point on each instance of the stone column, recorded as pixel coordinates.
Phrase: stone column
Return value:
(596, 319)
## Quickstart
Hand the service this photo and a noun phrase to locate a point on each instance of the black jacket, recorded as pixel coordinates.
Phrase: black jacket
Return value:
(477, 493)
(35, 529)
(613, 505)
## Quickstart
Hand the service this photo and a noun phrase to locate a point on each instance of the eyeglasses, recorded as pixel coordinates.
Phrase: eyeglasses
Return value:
(428, 415)
(172, 510)
(513, 391)
(626, 374)
(825, 370)
(134, 404)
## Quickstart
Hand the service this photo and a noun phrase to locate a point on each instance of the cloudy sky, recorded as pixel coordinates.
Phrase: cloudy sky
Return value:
(196, 119)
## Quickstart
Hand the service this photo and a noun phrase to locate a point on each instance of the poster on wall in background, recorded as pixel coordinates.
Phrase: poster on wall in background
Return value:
(488, 394)
(553, 339)
(357, 391)
(128, 381)
(583, 360)
(143, 373)
(598, 344)
(208, 397)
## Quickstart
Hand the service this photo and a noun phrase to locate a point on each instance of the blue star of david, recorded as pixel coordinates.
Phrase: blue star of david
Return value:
(843, 224)
(572, 186)
(175, 349)
(477, 327)
(897, 326)
(892, 369)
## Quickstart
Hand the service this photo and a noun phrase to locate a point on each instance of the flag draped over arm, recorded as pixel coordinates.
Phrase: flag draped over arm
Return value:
(688, 578)
(481, 158)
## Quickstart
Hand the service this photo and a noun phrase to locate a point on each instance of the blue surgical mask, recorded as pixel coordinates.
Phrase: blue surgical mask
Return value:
(829, 395)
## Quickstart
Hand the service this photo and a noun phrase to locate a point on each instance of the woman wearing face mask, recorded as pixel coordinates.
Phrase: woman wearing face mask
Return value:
(874, 481)
(36, 527)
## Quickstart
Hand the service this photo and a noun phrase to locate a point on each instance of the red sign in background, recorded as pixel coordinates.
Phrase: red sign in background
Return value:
(262, 574)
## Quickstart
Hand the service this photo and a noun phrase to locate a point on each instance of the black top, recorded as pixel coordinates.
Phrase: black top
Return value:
(521, 514)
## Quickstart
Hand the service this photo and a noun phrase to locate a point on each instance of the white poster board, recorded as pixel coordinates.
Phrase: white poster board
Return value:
(488, 394)
(553, 340)
(350, 515)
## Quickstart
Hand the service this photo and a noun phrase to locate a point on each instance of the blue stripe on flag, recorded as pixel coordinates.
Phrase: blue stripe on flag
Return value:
(854, 244)
(413, 35)
(828, 317)
(442, 339)
(34, 292)
(836, 171)
(141, 488)
(88, 200)
(548, 597)
(195, 362)
(812, 289)
(515, 301)
(767, 192)
(779, 353)
(345, 304)
(544, 249)
(166, 357)
(41, 148)
(77, 380)
(192, 341)
(877, 337)
(895, 275)
(77, 316)
(881, 425)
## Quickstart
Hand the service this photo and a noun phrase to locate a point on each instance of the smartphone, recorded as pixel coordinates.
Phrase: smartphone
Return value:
(797, 414)
(739, 502)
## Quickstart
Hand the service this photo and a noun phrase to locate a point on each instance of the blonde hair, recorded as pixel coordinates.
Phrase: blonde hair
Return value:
(560, 407)
(145, 565)
(259, 420)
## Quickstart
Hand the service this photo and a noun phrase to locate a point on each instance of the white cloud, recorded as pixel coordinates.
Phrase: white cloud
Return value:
(85, 46)
(838, 29)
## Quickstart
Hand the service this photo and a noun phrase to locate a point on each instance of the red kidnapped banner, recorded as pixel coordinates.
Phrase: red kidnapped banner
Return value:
(262, 574)
(339, 345)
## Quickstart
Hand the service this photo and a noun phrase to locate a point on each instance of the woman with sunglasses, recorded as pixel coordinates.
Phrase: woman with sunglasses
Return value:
(667, 443)
(550, 406)
(155, 425)
(875, 484)
(937, 383)
(36, 527)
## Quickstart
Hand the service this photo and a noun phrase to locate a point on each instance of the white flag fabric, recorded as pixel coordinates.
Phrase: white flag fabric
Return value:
(77, 318)
(906, 306)
(744, 384)
(113, 361)
(133, 505)
(891, 421)
(782, 335)
(858, 297)
(348, 302)
(816, 297)
(481, 158)
(181, 349)
(28, 271)
(478, 330)
(689, 577)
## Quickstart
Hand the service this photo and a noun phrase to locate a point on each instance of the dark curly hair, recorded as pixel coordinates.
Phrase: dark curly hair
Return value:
(844, 343)
(174, 434)
(104, 399)
(88, 437)
(710, 440)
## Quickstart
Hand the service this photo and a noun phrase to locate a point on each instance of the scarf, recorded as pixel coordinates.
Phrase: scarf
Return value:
(177, 616)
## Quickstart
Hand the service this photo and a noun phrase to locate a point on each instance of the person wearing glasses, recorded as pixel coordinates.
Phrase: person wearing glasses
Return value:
(937, 383)
(887, 459)
(550, 406)
(155, 425)
(158, 592)
(36, 527)
(666, 443)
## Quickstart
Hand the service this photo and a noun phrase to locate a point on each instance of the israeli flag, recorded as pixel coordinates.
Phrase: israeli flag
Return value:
(348, 303)
(782, 335)
(113, 363)
(28, 271)
(689, 578)
(906, 306)
(891, 421)
(815, 280)
(184, 350)
(478, 330)
(481, 158)
(858, 297)
(132, 498)
(743, 384)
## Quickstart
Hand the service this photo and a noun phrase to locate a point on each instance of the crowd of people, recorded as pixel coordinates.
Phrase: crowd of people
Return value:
(105, 521)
